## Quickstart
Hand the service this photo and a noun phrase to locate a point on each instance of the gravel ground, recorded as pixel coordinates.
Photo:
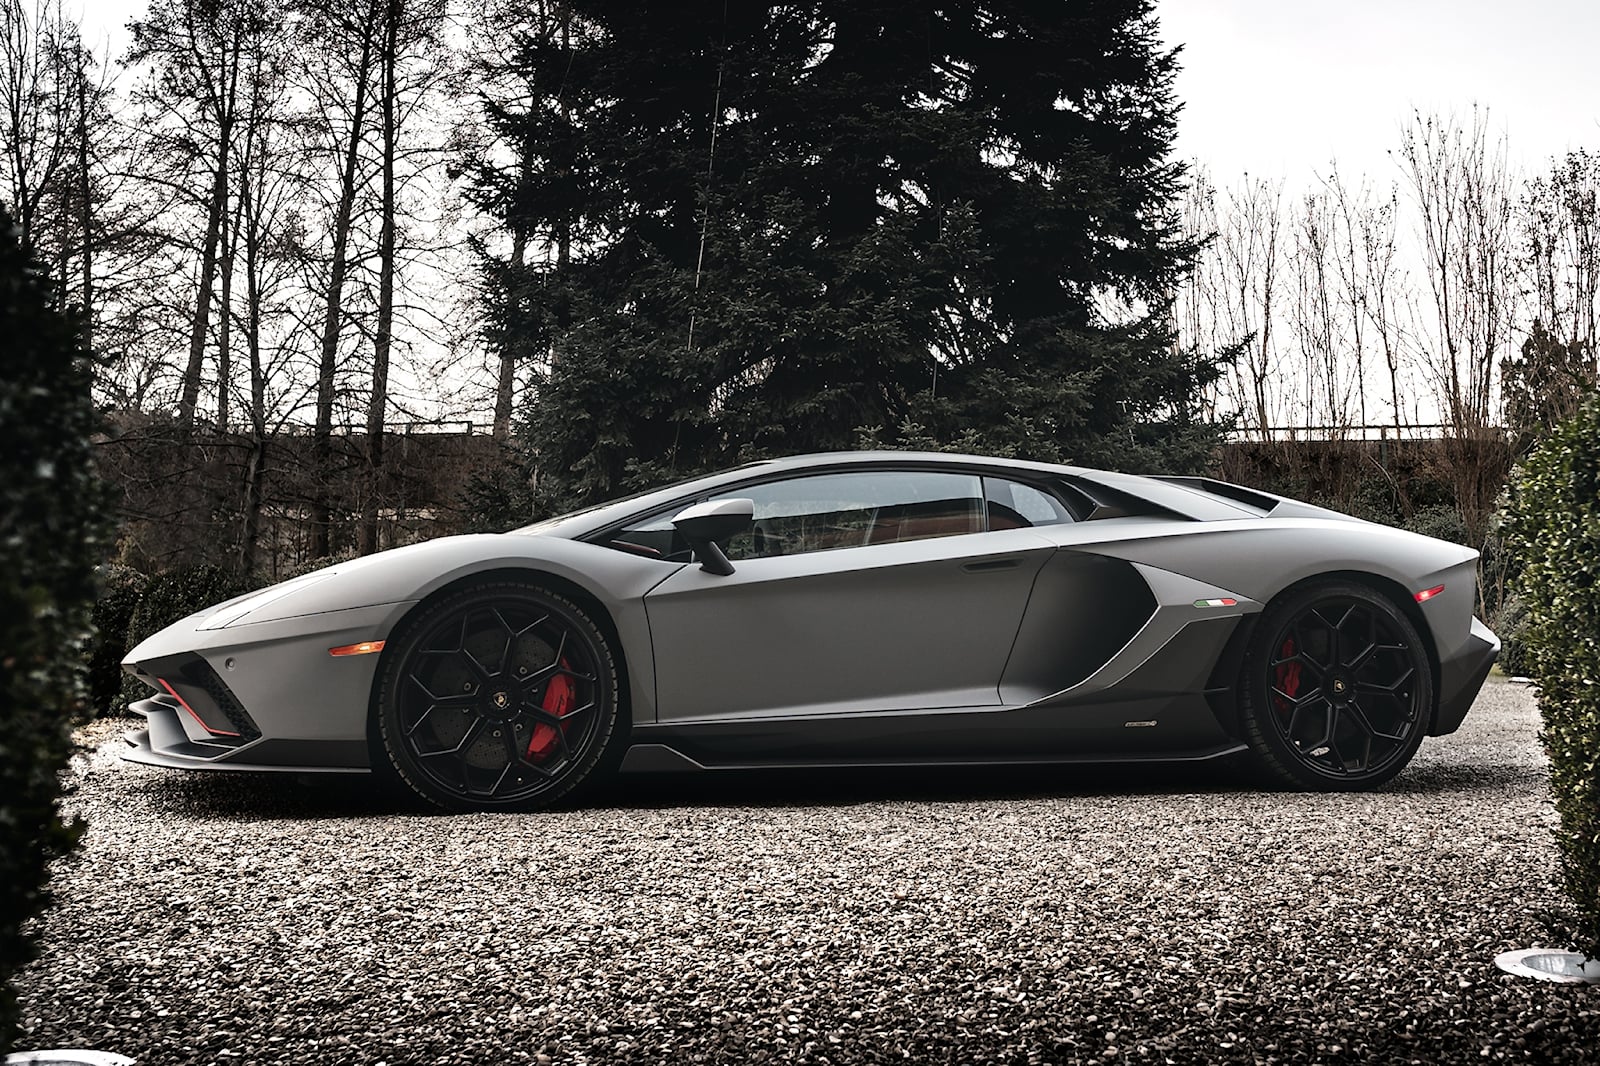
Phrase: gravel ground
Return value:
(1163, 915)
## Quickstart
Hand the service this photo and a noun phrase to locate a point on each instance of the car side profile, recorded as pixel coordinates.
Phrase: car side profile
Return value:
(871, 608)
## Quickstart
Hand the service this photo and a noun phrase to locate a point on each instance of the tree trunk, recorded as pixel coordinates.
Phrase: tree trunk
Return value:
(381, 340)
(509, 348)
(225, 323)
(190, 397)
(216, 218)
(322, 437)
(250, 531)
(85, 207)
(256, 464)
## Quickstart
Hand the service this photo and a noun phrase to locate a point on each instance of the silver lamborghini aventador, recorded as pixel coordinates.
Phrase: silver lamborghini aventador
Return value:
(874, 608)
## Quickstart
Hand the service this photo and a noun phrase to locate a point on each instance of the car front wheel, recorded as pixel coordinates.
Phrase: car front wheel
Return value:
(498, 697)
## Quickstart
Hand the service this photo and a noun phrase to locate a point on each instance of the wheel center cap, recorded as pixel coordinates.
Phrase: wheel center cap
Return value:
(1342, 689)
(500, 706)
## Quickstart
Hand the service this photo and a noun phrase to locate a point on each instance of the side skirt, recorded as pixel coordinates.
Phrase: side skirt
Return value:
(1140, 728)
(652, 758)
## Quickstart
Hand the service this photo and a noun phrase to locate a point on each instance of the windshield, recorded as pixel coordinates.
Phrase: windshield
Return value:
(621, 502)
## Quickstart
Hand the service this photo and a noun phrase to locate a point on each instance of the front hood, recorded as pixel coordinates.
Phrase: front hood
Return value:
(404, 575)
(391, 576)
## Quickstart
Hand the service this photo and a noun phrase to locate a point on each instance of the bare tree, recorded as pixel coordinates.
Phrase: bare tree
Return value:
(268, 246)
(409, 70)
(1196, 305)
(1353, 268)
(377, 402)
(1560, 217)
(1250, 255)
(1314, 312)
(1463, 194)
(348, 40)
(54, 114)
(1384, 289)
(198, 49)
(37, 106)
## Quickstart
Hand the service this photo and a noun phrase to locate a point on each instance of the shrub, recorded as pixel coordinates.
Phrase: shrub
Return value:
(1511, 625)
(1554, 529)
(50, 523)
(311, 566)
(168, 598)
(121, 589)
(1441, 521)
(178, 594)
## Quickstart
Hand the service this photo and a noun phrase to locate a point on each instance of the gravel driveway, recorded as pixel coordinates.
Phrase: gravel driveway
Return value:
(1162, 915)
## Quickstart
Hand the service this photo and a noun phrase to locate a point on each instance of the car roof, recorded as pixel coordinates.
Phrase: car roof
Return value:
(581, 522)
(1172, 498)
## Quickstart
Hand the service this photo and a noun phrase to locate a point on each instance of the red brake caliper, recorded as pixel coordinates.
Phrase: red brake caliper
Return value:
(1287, 675)
(560, 696)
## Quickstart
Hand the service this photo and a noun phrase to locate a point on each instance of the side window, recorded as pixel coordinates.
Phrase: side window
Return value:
(809, 514)
(1013, 505)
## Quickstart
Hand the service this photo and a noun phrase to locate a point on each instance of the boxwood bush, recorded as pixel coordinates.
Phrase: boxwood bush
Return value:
(121, 589)
(166, 599)
(50, 525)
(1554, 527)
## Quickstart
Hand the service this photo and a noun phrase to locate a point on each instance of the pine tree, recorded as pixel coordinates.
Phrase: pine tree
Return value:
(780, 229)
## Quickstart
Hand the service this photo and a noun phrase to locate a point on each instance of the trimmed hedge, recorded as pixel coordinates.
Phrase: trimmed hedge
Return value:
(121, 589)
(51, 509)
(168, 598)
(1554, 527)
(178, 594)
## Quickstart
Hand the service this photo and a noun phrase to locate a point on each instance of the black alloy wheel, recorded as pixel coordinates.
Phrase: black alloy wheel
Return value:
(499, 697)
(1336, 690)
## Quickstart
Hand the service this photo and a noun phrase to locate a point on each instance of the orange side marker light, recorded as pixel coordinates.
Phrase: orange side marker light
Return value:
(366, 647)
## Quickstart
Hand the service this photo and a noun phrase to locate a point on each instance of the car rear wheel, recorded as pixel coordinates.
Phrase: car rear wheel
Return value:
(1336, 689)
(499, 697)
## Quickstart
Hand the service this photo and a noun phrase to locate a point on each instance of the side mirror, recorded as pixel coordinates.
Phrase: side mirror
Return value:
(706, 523)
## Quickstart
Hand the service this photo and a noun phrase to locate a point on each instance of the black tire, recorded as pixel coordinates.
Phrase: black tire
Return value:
(1336, 691)
(498, 697)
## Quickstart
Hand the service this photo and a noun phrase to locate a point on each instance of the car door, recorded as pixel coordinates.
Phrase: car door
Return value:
(852, 592)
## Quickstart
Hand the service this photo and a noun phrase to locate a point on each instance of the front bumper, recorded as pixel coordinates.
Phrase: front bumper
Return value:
(261, 696)
(165, 742)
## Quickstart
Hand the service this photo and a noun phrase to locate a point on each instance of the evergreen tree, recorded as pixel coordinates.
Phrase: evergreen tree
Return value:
(774, 229)
(51, 521)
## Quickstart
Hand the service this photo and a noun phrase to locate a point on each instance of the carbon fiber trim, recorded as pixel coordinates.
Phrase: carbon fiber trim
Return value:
(200, 673)
(216, 714)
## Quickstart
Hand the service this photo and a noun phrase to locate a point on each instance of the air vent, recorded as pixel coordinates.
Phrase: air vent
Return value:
(1228, 491)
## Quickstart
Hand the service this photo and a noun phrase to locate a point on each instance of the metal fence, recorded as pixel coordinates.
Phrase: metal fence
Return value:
(1377, 432)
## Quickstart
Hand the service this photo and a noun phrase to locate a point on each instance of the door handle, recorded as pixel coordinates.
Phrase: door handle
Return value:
(989, 565)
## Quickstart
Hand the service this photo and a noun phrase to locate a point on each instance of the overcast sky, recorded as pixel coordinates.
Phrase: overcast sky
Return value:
(1280, 87)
